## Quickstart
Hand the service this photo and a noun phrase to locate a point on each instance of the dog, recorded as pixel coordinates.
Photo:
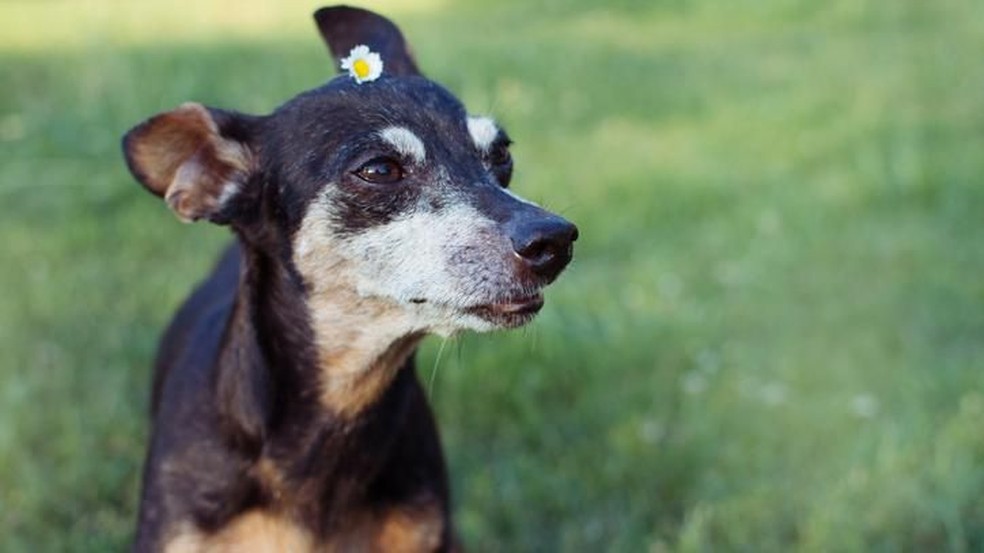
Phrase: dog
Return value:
(369, 212)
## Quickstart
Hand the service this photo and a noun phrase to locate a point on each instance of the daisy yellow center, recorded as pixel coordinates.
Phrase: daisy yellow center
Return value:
(361, 68)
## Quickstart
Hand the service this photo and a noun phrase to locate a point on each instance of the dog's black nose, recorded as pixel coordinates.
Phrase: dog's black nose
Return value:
(545, 245)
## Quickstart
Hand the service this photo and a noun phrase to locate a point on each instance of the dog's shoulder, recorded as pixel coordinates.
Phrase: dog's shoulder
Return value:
(209, 307)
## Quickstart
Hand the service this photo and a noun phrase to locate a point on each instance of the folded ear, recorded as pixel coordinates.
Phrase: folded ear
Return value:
(344, 28)
(194, 157)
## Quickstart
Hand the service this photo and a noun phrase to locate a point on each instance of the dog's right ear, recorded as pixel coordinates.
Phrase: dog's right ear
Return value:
(344, 28)
(196, 158)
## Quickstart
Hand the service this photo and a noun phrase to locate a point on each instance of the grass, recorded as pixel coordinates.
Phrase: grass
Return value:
(771, 339)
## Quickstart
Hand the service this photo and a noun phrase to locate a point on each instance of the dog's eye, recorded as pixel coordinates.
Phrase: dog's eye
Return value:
(381, 170)
(501, 163)
(500, 155)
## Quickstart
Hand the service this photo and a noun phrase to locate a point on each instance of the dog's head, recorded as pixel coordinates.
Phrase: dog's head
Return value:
(388, 189)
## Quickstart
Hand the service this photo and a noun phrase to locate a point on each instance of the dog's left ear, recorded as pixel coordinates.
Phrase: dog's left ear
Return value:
(198, 159)
(344, 28)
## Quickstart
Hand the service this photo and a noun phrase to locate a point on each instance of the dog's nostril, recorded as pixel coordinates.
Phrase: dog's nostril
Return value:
(534, 249)
(546, 247)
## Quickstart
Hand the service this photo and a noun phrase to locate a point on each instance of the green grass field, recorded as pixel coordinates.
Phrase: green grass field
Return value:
(771, 338)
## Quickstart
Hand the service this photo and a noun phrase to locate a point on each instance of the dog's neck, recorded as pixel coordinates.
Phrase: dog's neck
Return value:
(360, 344)
(310, 382)
(325, 351)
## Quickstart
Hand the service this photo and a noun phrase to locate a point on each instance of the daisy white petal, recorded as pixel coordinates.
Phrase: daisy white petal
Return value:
(362, 64)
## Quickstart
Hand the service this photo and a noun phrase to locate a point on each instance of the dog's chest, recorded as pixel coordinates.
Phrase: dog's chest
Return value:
(400, 529)
(257, 530)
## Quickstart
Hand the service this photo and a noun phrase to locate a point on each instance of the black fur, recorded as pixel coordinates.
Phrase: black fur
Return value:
(224, 396)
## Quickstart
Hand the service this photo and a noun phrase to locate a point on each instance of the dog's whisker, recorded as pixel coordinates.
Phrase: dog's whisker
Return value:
(437, 361)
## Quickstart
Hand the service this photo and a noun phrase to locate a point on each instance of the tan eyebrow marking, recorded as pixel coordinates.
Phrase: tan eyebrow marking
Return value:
(483, 131)
(405, 142)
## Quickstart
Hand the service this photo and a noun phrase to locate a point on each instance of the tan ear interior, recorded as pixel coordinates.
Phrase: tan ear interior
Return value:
(181, 156)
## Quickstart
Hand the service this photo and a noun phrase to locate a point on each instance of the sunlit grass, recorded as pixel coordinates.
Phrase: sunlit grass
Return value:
(66, 25)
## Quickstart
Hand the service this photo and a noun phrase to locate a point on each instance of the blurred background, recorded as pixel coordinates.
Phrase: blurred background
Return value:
(771, 338)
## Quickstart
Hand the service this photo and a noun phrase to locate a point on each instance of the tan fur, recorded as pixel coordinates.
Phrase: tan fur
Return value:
(254, 531)
(416, 527)
(271, 479)
(362, 342)
(349, 384)
(181, 156)
(410, 530)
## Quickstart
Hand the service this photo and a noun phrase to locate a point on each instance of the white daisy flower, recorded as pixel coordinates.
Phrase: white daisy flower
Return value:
(362, 64)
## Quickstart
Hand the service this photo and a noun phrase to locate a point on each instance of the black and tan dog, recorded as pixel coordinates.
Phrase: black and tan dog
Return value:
(369, 212)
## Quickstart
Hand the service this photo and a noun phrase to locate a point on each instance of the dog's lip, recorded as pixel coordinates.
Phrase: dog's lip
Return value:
(516, 306)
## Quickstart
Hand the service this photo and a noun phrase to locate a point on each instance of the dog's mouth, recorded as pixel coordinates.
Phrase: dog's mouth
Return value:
(510, 312)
